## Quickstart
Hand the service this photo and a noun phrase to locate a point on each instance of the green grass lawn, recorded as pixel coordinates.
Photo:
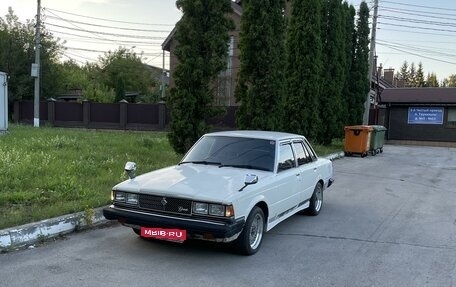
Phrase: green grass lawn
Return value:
(47, 172)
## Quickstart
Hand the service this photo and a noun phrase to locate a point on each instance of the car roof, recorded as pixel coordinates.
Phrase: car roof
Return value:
(269, 135)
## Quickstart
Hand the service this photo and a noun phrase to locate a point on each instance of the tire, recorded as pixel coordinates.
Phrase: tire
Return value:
(137, 231)
(374, 152)
(363, 155)
(251, 237)
(316, 201)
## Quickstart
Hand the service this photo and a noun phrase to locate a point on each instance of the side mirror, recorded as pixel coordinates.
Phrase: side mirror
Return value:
(130, 168)
(249, 180)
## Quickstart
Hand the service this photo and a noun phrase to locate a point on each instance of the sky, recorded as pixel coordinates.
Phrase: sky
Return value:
(408, 30)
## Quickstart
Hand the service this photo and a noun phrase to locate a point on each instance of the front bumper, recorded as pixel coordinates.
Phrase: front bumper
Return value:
(330, 182)
(192, 226)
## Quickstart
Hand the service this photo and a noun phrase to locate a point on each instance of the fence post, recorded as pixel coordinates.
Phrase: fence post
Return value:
(86, 113)
(123, 114)
(161, 115)
(17, 112)
(51, 111)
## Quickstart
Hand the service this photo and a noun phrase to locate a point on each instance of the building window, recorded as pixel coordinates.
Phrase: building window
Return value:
(451, 120)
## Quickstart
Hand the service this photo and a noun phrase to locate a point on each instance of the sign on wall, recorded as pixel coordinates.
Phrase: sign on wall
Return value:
(425, 115)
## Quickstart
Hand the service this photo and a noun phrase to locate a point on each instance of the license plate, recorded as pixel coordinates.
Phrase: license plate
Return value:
(177, 235)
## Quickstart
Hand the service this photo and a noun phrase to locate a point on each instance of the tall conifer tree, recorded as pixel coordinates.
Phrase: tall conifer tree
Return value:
(349, 14)
(202, 46)
(261, 81)
(304, 66)
(359, 81)
(334, 70)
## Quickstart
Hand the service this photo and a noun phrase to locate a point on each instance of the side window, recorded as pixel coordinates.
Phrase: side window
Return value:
(311, 151)
(302, 154)
(286, 158)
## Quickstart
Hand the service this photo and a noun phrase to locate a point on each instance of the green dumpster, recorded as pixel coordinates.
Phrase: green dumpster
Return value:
(377, 139)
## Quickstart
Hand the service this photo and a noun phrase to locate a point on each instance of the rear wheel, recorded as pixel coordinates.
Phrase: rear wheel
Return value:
(316, 201)
(251, 237)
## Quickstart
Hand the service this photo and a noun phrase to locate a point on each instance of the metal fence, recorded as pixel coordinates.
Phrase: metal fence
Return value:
(122, 115)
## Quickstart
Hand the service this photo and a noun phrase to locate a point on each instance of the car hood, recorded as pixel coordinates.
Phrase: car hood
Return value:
(192, 181)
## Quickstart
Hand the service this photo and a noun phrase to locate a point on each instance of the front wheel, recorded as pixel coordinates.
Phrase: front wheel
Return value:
(316, 201)
(251, 237)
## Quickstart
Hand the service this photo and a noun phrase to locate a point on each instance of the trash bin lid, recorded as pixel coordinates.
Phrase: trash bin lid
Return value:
(359, 127)
(378, 128)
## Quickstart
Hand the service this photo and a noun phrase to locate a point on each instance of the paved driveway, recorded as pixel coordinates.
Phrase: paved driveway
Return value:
(389, 220)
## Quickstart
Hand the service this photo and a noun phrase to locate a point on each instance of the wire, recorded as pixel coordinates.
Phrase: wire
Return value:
(109, 20)
(109, 40)
(410, 10)
(80, 27)
(420, 55)
(418, 21)
(106, 33)
(415, 27)
(110, 27)
(416, 32)
(420, 6)
(417, 14)
(420, 49)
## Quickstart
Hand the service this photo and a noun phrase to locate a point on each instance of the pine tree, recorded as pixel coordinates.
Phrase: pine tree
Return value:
(304, 66)
(202, 47)
(359, 81)
(261, 82)
(412, 75)
(404, 73)
(419, 77)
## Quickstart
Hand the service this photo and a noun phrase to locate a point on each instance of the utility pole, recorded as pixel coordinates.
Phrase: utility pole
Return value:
(36, 68)
(371, 63)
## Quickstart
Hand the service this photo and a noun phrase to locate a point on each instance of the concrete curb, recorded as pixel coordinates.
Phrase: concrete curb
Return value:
(27, 234)
(335, 156)
(20, 236)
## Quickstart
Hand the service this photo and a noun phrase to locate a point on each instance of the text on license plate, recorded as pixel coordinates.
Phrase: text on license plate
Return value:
(161, 233)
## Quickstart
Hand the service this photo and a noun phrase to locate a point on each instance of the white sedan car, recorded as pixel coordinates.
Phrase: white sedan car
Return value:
(230, 187)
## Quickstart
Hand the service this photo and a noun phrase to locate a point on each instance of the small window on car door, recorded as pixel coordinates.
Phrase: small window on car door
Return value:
(310, 151)
(286, 158)
(302, 154)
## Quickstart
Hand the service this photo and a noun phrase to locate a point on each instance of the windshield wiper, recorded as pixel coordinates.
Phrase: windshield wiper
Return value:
(201, 162)
(248, 166)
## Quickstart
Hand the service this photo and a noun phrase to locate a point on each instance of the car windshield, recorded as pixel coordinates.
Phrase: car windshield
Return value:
(233, 152)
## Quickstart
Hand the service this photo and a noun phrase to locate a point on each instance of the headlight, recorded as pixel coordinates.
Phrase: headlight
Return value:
(119, 196)
(132, 198)
(200, 208)
(213, 209)
(216, 209)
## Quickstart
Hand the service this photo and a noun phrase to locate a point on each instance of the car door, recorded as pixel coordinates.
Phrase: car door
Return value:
(285, 195)
(306, 160)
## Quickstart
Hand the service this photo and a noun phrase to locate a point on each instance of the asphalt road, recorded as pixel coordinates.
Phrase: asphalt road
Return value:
(389, 220)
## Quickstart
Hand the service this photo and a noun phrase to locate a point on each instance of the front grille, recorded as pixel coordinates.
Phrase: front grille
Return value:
(165, 204)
